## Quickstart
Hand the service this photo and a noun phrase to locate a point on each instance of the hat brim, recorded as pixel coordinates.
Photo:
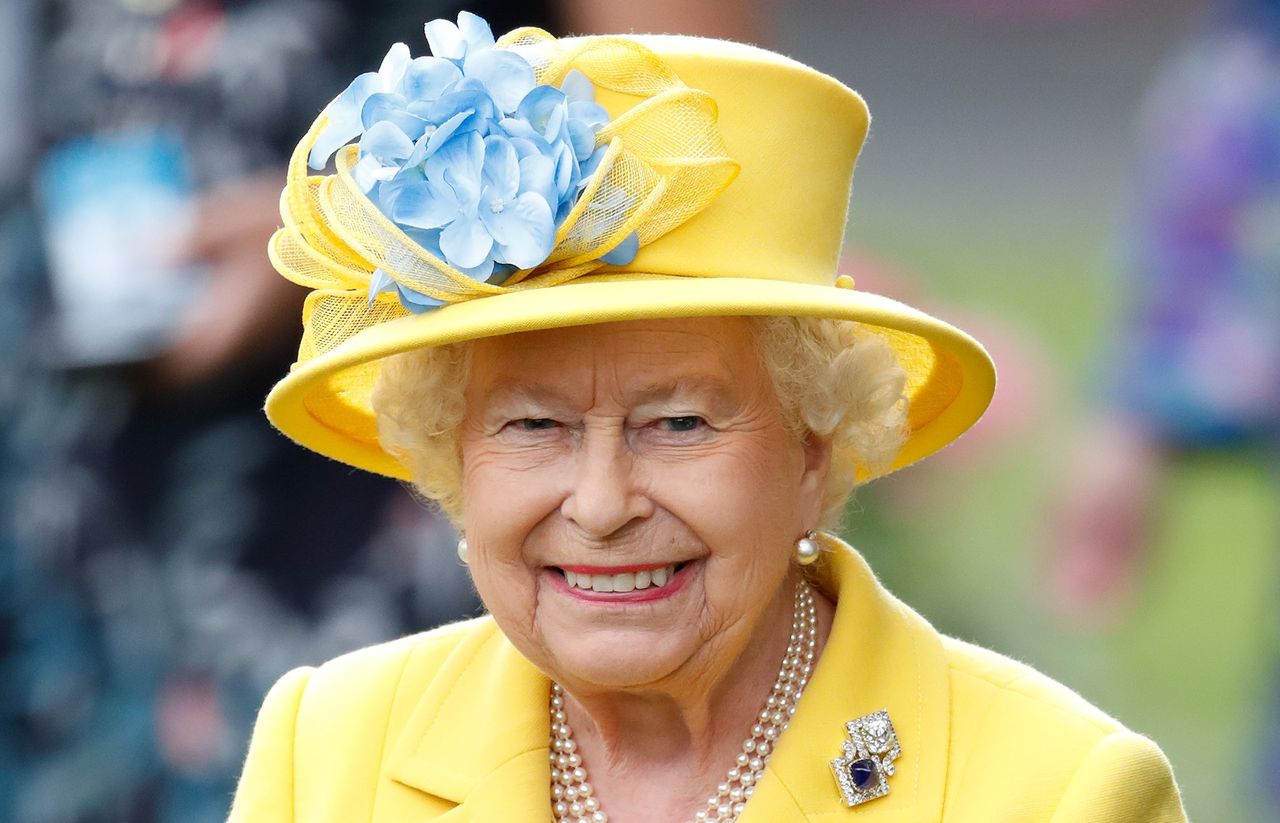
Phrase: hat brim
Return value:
(323, 404)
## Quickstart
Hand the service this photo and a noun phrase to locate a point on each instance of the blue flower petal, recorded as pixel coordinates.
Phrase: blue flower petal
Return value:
(539, 106)
(416, 302)
(465, 242)
(428, 239)
(344, 119)
(475, 31)
(554, 128)
(583, 139)
(566, 170)
(587, 168)
(378, 283)
(420, 153)
(464, 150)
(524, 230)
(458, 164)
(386, 141)
(578, 87)
(624, 252)
(507, 76)
(369, 171)
(523, 136)
(428, 205)
(481, 272)
(427, 78)
(379, 106)
(484, 102)
(501, 273)
(446, 130)
(463, 97)
(445, 40)
(593, 114)
(389, 192)
(501, 171)
(393, 66)
(433, 137)
(391, 108)
(524, 148)
(537, 175)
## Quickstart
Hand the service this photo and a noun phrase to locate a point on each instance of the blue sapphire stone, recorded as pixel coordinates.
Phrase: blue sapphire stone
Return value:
(863, 773)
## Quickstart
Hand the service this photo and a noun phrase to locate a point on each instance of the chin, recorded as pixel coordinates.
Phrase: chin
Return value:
(613, 659)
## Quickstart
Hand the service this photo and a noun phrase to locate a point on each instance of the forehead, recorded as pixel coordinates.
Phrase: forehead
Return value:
(636, 355)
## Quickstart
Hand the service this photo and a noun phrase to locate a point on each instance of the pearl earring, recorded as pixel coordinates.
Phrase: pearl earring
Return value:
(462, 550)
(807, 548)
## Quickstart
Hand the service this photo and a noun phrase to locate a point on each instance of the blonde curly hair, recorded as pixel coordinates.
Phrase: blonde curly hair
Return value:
(834, 379)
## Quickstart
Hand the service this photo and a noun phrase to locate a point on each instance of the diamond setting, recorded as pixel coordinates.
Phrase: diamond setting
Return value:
(863, 769)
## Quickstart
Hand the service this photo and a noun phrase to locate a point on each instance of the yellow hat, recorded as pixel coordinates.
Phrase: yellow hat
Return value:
(734, 166)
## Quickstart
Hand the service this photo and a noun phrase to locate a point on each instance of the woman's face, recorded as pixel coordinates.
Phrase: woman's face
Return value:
(632, 496)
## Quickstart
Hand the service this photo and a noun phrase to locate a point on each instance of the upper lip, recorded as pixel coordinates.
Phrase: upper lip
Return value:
(636, 567)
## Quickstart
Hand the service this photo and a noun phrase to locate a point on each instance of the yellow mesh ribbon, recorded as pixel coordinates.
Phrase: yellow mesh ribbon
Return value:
(665, 162)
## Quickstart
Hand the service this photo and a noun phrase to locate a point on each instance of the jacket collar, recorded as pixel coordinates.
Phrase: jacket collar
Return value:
(478, 735)
(880, 655)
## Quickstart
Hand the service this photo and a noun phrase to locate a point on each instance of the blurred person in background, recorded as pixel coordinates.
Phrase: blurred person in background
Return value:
(1195, 377)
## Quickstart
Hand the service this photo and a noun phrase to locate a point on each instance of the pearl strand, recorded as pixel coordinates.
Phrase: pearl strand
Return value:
(573, 799)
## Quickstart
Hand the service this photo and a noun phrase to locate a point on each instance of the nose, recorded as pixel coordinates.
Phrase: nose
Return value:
(605, 495)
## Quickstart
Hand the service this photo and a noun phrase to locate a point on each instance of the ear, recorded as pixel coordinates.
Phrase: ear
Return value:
(813, 478)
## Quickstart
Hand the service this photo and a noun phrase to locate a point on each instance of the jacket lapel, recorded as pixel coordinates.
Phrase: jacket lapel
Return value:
(478, 736)
(880, 655)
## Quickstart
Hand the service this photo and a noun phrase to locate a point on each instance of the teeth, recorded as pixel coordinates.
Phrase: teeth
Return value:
(622, 582)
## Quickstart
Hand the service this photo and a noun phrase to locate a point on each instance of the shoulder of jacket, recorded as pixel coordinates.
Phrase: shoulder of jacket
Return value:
(366, 683)
(983, 680)
(1022, 741)
(390, 658)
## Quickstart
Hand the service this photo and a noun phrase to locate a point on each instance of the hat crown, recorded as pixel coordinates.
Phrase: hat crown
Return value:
(796, 134)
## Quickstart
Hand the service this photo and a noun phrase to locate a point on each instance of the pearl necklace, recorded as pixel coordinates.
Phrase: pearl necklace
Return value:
(573, 798)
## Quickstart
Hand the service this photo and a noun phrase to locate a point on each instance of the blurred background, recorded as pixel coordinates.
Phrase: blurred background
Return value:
(1090, 187)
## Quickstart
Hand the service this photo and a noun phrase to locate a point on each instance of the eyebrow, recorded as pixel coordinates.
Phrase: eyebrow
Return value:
(530, 392)
(659, 391)
(701, 385)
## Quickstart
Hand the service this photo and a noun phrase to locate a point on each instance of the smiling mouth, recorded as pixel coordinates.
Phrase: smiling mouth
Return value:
(621, 582)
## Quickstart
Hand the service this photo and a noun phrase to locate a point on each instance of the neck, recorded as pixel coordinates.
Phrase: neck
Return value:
(684, 733)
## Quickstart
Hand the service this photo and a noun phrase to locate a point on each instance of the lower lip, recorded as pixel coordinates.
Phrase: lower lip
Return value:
(649, 595)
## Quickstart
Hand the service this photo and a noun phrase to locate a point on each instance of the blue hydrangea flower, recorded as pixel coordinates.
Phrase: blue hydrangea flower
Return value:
(467, 154)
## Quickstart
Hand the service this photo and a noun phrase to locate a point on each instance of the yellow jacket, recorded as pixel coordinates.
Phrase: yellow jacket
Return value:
(451, 726)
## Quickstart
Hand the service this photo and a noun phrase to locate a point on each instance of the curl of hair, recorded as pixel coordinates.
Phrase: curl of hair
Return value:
(834, 379)
(418, 402)
(839, 381)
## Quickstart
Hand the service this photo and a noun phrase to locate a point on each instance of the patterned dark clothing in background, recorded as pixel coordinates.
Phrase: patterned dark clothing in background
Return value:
(163, 559)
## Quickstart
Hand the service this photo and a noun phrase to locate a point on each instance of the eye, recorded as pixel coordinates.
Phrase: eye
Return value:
(533, 424)
(684, 423)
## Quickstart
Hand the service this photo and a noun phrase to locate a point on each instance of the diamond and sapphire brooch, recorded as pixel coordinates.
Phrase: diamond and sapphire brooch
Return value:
(866, 764)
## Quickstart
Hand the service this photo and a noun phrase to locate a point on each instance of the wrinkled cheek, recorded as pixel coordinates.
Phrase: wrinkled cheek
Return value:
(509, 592)
(736, 585)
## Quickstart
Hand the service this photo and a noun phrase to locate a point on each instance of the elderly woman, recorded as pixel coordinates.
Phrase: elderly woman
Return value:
(582, 294)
